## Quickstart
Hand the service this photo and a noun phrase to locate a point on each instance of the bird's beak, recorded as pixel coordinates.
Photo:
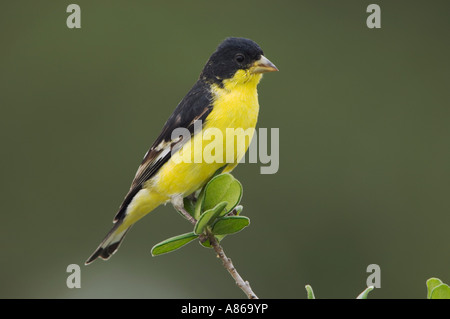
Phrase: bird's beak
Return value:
(263, 65)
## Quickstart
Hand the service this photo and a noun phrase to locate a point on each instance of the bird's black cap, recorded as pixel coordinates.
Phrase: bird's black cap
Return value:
(231, 55)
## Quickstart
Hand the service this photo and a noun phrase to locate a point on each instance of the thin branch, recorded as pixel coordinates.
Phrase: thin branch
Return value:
(186, 215)
(244, 285)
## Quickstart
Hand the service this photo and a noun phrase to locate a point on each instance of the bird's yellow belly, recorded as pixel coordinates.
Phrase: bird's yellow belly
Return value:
(212, 148)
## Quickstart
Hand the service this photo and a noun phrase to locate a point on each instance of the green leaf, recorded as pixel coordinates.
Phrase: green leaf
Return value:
(189, 205)
(365, 293)
(222, 188)
(173, 243)
(442, 291)
(207, 244)
(208, 217)
(431, 284)
(199, 204)
(309, 292)
(230, 225)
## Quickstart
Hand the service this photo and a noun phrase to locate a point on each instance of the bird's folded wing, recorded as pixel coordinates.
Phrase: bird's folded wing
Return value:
(196, 105)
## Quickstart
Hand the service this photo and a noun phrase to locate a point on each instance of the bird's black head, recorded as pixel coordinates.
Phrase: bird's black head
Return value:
(232, 55)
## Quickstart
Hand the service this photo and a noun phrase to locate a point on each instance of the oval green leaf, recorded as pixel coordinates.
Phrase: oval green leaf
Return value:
(199, 204)
(230, 225)
(189, 206)
(173, 243)
(441, 292)
(309, 292)
(208, 217)
(222, 188)
(207, 244)
(431, 284)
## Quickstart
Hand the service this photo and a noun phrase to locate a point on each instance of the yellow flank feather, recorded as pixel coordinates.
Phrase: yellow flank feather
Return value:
(144, 202)
(235, 105)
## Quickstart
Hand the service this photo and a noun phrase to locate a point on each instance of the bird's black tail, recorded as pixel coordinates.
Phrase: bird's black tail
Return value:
(110, 244)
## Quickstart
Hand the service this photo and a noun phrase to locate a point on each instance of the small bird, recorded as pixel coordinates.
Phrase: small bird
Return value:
(224, 96)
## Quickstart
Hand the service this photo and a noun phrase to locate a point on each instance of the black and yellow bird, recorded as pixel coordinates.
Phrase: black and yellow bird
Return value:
(225, 96)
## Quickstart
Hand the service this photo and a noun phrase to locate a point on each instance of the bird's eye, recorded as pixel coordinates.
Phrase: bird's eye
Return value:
(239, 58)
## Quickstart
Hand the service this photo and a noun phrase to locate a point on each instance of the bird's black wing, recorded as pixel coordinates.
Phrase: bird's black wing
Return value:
(196, 105)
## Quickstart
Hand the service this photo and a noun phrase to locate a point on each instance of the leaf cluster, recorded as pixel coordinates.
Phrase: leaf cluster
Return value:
(216, 211)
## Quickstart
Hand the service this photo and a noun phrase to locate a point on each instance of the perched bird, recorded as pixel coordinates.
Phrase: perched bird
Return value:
(225, 96)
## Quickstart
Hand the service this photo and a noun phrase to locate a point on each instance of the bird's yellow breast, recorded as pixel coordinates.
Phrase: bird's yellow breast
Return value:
(235, 106)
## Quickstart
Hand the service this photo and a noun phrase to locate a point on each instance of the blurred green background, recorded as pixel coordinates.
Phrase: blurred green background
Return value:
(364, 119)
